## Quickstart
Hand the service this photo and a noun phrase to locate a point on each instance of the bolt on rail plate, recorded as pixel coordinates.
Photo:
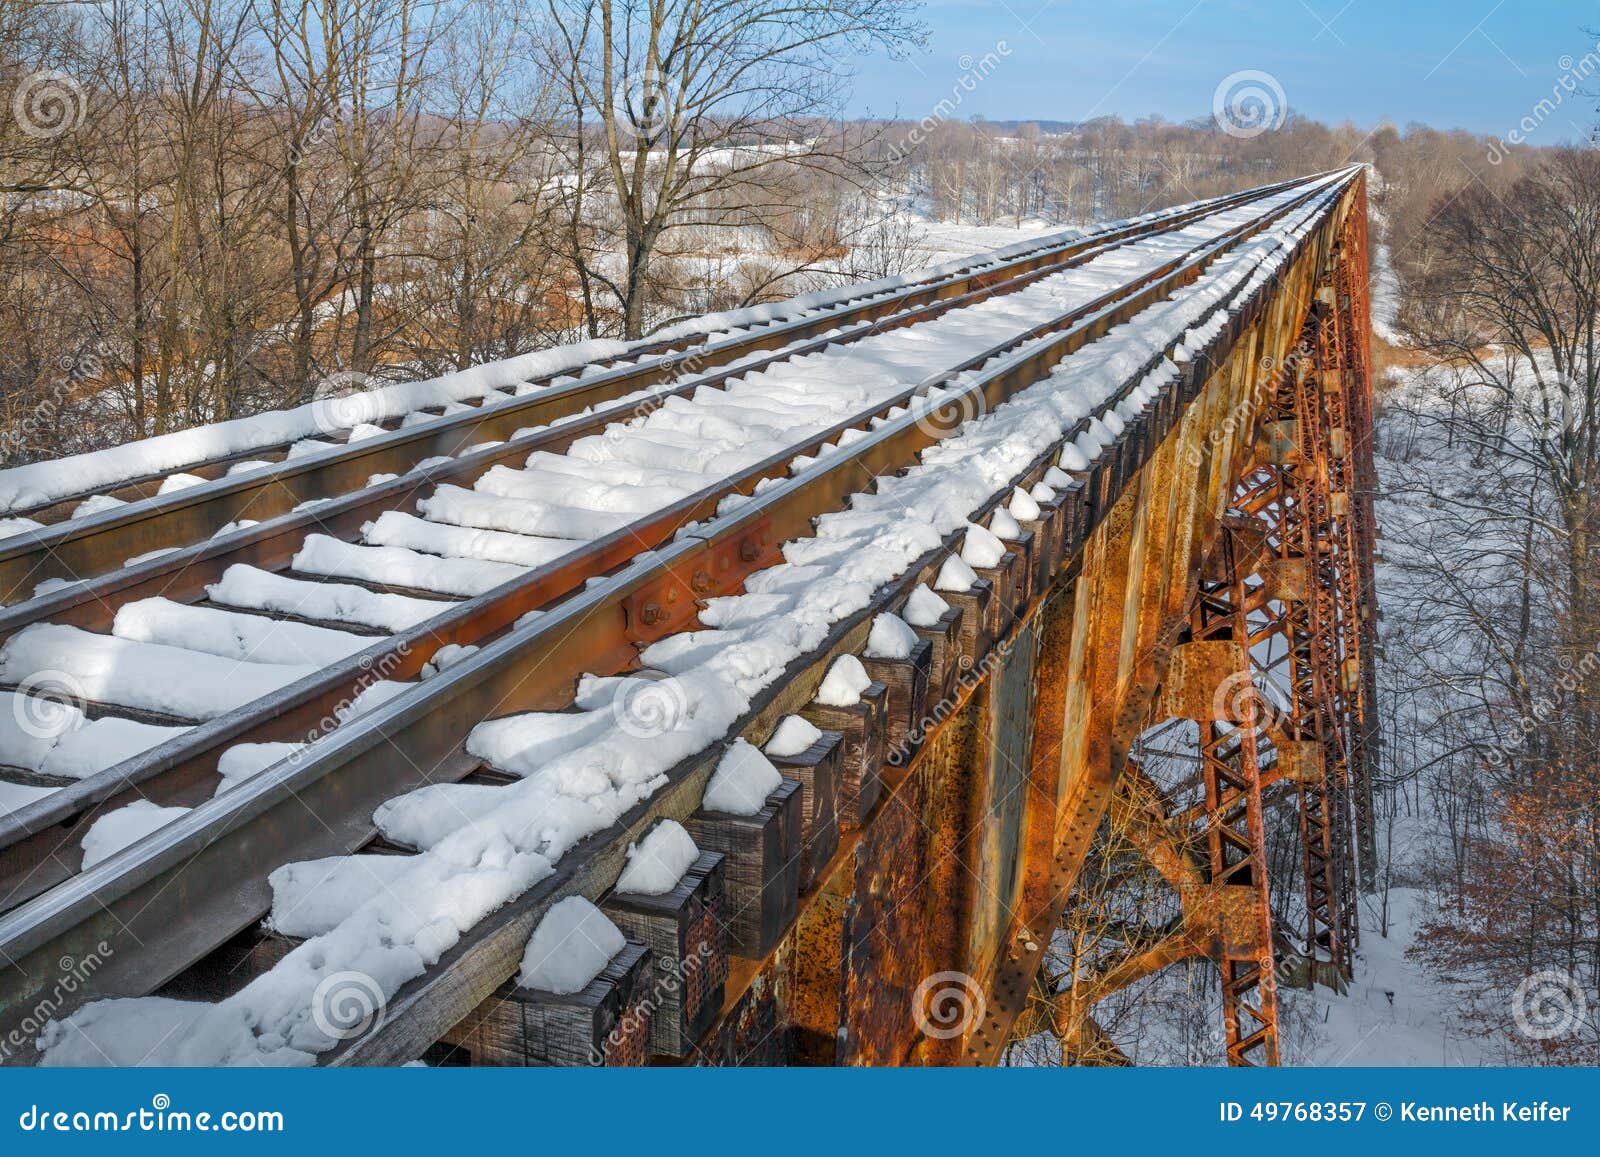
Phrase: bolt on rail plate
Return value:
(671, 602)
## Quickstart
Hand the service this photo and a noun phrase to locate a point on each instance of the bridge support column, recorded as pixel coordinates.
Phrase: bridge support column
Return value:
(1234, 825)
(1282, 592)
(1208, 563)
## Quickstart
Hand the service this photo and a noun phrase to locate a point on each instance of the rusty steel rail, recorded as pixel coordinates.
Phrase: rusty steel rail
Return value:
(196, 881)
(99, 544)
(39, 843)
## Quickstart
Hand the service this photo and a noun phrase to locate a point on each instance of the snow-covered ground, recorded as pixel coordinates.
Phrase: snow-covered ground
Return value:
(1383, 283)
(942, 241)
(1395, 1011)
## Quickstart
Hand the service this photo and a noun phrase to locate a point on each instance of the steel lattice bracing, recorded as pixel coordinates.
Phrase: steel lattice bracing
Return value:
(1234, 825)
(1274, 673)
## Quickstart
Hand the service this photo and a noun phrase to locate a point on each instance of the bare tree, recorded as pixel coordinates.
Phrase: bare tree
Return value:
(1510, 305)
(484, 283)
(676, 102)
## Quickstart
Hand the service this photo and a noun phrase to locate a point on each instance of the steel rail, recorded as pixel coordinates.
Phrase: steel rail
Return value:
(39, 843)
(99, 543)
(183, 572)
(974, 269)
(195, 881)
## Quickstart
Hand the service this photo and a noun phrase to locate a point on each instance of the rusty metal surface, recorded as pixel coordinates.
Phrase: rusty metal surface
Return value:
(1009, 752)
(1232, 924)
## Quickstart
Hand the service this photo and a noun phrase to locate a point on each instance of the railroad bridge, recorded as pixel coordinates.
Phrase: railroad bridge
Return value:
(1082, 609)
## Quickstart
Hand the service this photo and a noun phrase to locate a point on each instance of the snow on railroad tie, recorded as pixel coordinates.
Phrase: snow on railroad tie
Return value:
(123, 828)
(396, 528)
(153, 677)
(232, 635)
(550, 519)
(16, 796)
(48, 736)
(398, 566)
(584, 492)
(251, 588)
(480, 856)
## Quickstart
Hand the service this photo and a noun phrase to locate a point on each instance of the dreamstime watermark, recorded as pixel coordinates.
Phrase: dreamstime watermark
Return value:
(941, 417)
(635, 1019)
(48, 104)
(1544, 708)
(1240, 700)
(160, 1117)
(645, 105)
(968, 680)
(1548, 1005)
(639, 413)
(344, 400)
(383, 72)
(73, 974)
(346, 1005)
(973, 73)
(1248, 103)
(49, 704)
(373, 672)
(649, 704)
(1241, 416)
(948, 1005)
(1573, 74)
(41, 416)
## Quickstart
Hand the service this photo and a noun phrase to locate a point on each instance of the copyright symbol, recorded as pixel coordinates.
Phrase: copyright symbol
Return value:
(1383, 1111)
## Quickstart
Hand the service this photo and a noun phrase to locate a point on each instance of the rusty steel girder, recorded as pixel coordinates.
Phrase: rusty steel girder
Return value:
(1235, 827)
(1264, 512)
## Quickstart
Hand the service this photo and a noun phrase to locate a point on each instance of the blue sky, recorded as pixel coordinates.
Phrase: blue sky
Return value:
(1475, 64)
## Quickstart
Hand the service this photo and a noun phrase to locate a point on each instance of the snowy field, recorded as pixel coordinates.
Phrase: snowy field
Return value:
(942, 241)
(1395, 1012)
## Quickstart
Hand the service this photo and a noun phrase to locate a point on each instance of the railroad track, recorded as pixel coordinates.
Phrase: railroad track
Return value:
(198, 577)
(103, 527)
(585, 600)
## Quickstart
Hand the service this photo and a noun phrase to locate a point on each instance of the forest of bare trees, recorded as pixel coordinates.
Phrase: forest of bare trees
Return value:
(212, 207)
(1495, 644)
